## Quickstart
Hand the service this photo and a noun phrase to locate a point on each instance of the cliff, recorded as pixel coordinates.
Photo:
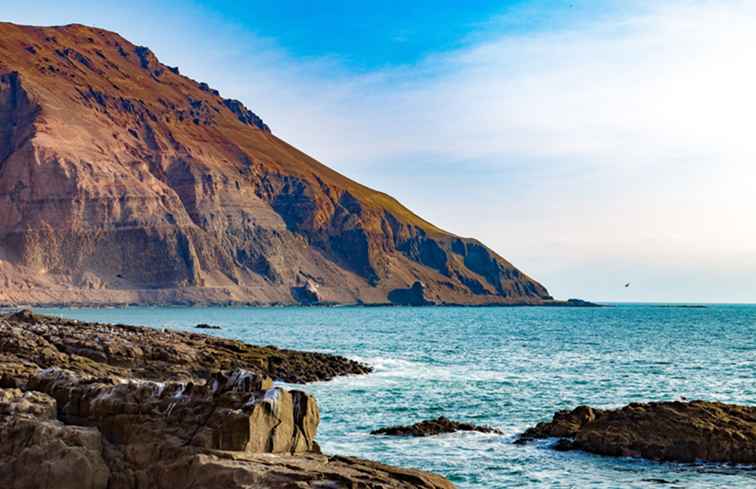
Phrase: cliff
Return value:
(122, 181)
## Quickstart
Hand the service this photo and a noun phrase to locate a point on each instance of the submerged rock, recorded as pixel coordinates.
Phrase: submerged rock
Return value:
(118, 407)
(670, 431)
(433, 427)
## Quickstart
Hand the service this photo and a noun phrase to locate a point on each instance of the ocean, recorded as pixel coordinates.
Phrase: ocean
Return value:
(504, 367)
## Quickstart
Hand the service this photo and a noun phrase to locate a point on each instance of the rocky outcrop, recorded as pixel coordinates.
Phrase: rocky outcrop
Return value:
(118, 407)
(306, 294)
(122, 181)
(146, 353)
(433, 427)
(670, 431)
(413, 296)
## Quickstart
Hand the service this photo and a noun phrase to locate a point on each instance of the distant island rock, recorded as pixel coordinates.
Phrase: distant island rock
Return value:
(433, 427)
(668, 431)
(151, 188)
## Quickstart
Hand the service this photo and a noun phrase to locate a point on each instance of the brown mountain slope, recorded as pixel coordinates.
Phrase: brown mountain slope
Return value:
(123, 181)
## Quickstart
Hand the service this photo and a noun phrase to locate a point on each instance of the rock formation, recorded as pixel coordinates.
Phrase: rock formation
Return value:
(670, 431)
(433, 427)
(99, 406)
(122, 181)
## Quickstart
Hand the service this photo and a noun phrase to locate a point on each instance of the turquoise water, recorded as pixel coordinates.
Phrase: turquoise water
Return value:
(507, 367)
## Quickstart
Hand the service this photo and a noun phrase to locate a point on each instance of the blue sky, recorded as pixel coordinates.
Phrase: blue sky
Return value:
(591, 143)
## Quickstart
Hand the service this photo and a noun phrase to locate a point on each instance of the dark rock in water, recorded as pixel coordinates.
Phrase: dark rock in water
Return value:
(117, 407)
(207, 326)
(669, 431)
(23, 315)
(413, 296)
(433, 427)
(571, 303)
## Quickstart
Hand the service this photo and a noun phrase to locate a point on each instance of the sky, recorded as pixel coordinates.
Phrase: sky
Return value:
(591, 143)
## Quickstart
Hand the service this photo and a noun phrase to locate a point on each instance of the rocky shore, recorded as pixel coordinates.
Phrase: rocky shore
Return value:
(86, 405)
(667, 431)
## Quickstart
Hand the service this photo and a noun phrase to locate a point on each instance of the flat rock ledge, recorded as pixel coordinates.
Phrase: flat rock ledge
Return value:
(666, 431)
(433, 427)
(98, 406)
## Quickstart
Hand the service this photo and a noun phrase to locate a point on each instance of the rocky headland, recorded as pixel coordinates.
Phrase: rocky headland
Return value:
(667, 431)
(120, 407)
(123, 181)
(433, 427)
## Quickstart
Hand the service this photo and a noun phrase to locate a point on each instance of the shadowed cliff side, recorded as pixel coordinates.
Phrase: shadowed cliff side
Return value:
(122, 181)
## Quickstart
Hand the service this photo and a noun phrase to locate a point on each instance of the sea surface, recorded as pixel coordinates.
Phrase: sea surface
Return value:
(505, 367)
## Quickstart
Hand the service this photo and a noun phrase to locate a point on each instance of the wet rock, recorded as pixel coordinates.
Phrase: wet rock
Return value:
(207, 326)
(433, 427)
(669, 431)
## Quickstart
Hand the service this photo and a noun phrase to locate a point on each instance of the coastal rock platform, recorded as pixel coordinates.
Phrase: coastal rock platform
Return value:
(86, 405)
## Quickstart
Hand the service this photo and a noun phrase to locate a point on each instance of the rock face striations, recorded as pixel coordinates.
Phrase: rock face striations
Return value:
(670, 431)
(99, 406)
(122, 181)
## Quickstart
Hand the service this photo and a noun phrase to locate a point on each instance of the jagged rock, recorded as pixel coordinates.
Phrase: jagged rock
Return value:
(245, 413)
(433, 427)
(115, 407)
(245, 115)
(670, 431)
(36, 450)
(148, 187)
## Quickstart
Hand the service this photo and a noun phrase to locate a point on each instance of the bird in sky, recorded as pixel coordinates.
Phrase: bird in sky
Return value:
(627, 285)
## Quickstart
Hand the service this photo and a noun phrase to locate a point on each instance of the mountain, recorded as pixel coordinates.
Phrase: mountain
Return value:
(123, 181)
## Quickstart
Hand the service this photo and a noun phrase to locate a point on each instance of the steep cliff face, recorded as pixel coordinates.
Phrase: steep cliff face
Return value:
(123, 181)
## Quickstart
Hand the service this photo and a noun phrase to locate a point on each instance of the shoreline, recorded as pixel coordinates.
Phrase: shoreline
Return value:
(571, 303)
